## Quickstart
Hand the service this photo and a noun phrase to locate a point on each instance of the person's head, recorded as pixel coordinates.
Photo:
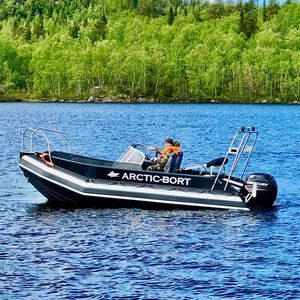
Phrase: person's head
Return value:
(169, 142)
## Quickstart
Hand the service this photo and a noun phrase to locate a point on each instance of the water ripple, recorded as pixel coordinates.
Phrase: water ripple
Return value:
(138, 254)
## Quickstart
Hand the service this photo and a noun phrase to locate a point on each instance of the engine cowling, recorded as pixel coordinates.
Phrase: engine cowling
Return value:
(260, 190)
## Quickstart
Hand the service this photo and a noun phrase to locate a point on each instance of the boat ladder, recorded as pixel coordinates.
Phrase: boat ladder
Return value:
(243, 142)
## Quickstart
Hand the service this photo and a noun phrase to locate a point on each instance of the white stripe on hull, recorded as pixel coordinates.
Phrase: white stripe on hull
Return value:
(101, 187)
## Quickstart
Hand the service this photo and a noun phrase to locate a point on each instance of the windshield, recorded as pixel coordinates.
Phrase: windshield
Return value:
(132, 155)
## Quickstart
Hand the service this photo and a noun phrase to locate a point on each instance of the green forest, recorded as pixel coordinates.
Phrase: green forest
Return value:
(169, 50)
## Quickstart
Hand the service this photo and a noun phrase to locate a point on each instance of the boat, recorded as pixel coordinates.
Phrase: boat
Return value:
(69, 179)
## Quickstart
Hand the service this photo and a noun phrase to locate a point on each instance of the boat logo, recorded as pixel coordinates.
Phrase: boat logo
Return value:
(128, 176)
(112, 174)
(156, 178)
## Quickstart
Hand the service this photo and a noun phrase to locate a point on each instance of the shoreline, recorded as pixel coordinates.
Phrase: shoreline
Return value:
(136, 101)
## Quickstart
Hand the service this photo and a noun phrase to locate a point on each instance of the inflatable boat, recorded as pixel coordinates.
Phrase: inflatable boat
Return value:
(65, 178)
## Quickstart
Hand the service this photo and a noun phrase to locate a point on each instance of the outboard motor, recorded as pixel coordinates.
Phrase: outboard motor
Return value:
(260, 190)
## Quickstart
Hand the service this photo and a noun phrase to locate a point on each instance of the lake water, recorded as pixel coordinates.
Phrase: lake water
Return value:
(151, 254)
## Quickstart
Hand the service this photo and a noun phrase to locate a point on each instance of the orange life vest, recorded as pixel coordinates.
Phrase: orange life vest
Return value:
(171, 149)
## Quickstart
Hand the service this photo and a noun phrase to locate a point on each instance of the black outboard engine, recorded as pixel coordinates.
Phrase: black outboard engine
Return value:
(260, 190)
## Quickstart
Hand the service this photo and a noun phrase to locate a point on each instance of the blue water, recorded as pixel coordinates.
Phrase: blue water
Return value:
(145, 254)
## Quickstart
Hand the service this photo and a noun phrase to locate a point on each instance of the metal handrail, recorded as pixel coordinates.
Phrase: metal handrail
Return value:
(249, 155)
(246, 133)
(41, 131)
(239, 154)
(223, 163)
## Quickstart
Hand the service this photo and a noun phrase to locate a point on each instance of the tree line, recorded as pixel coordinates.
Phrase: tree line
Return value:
(163, 49)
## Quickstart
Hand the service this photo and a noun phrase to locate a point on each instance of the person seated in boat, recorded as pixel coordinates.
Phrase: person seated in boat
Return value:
(164, 154)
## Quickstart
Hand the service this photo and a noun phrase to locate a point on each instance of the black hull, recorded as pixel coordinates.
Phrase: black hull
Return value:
(58, 196)
(66, 188)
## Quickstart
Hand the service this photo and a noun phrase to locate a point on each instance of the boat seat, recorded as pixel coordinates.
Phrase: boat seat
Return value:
(217, 162)
(173, 163)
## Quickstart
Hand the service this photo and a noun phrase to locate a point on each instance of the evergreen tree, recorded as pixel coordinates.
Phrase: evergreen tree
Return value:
(134, 4)
(272, 9)
(144, 8)
(241, 24)
(248, 19)
(197, 13)
(27, 35)
(99, 29)
(185, 13)
(156, 8)
(85, 22)
(171, 16)
(14, 26)
(38, 27)
(264, 12)
(74, 31)
(216, 10)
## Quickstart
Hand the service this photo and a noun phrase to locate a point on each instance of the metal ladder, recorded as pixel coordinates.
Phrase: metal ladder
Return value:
(243, 142)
